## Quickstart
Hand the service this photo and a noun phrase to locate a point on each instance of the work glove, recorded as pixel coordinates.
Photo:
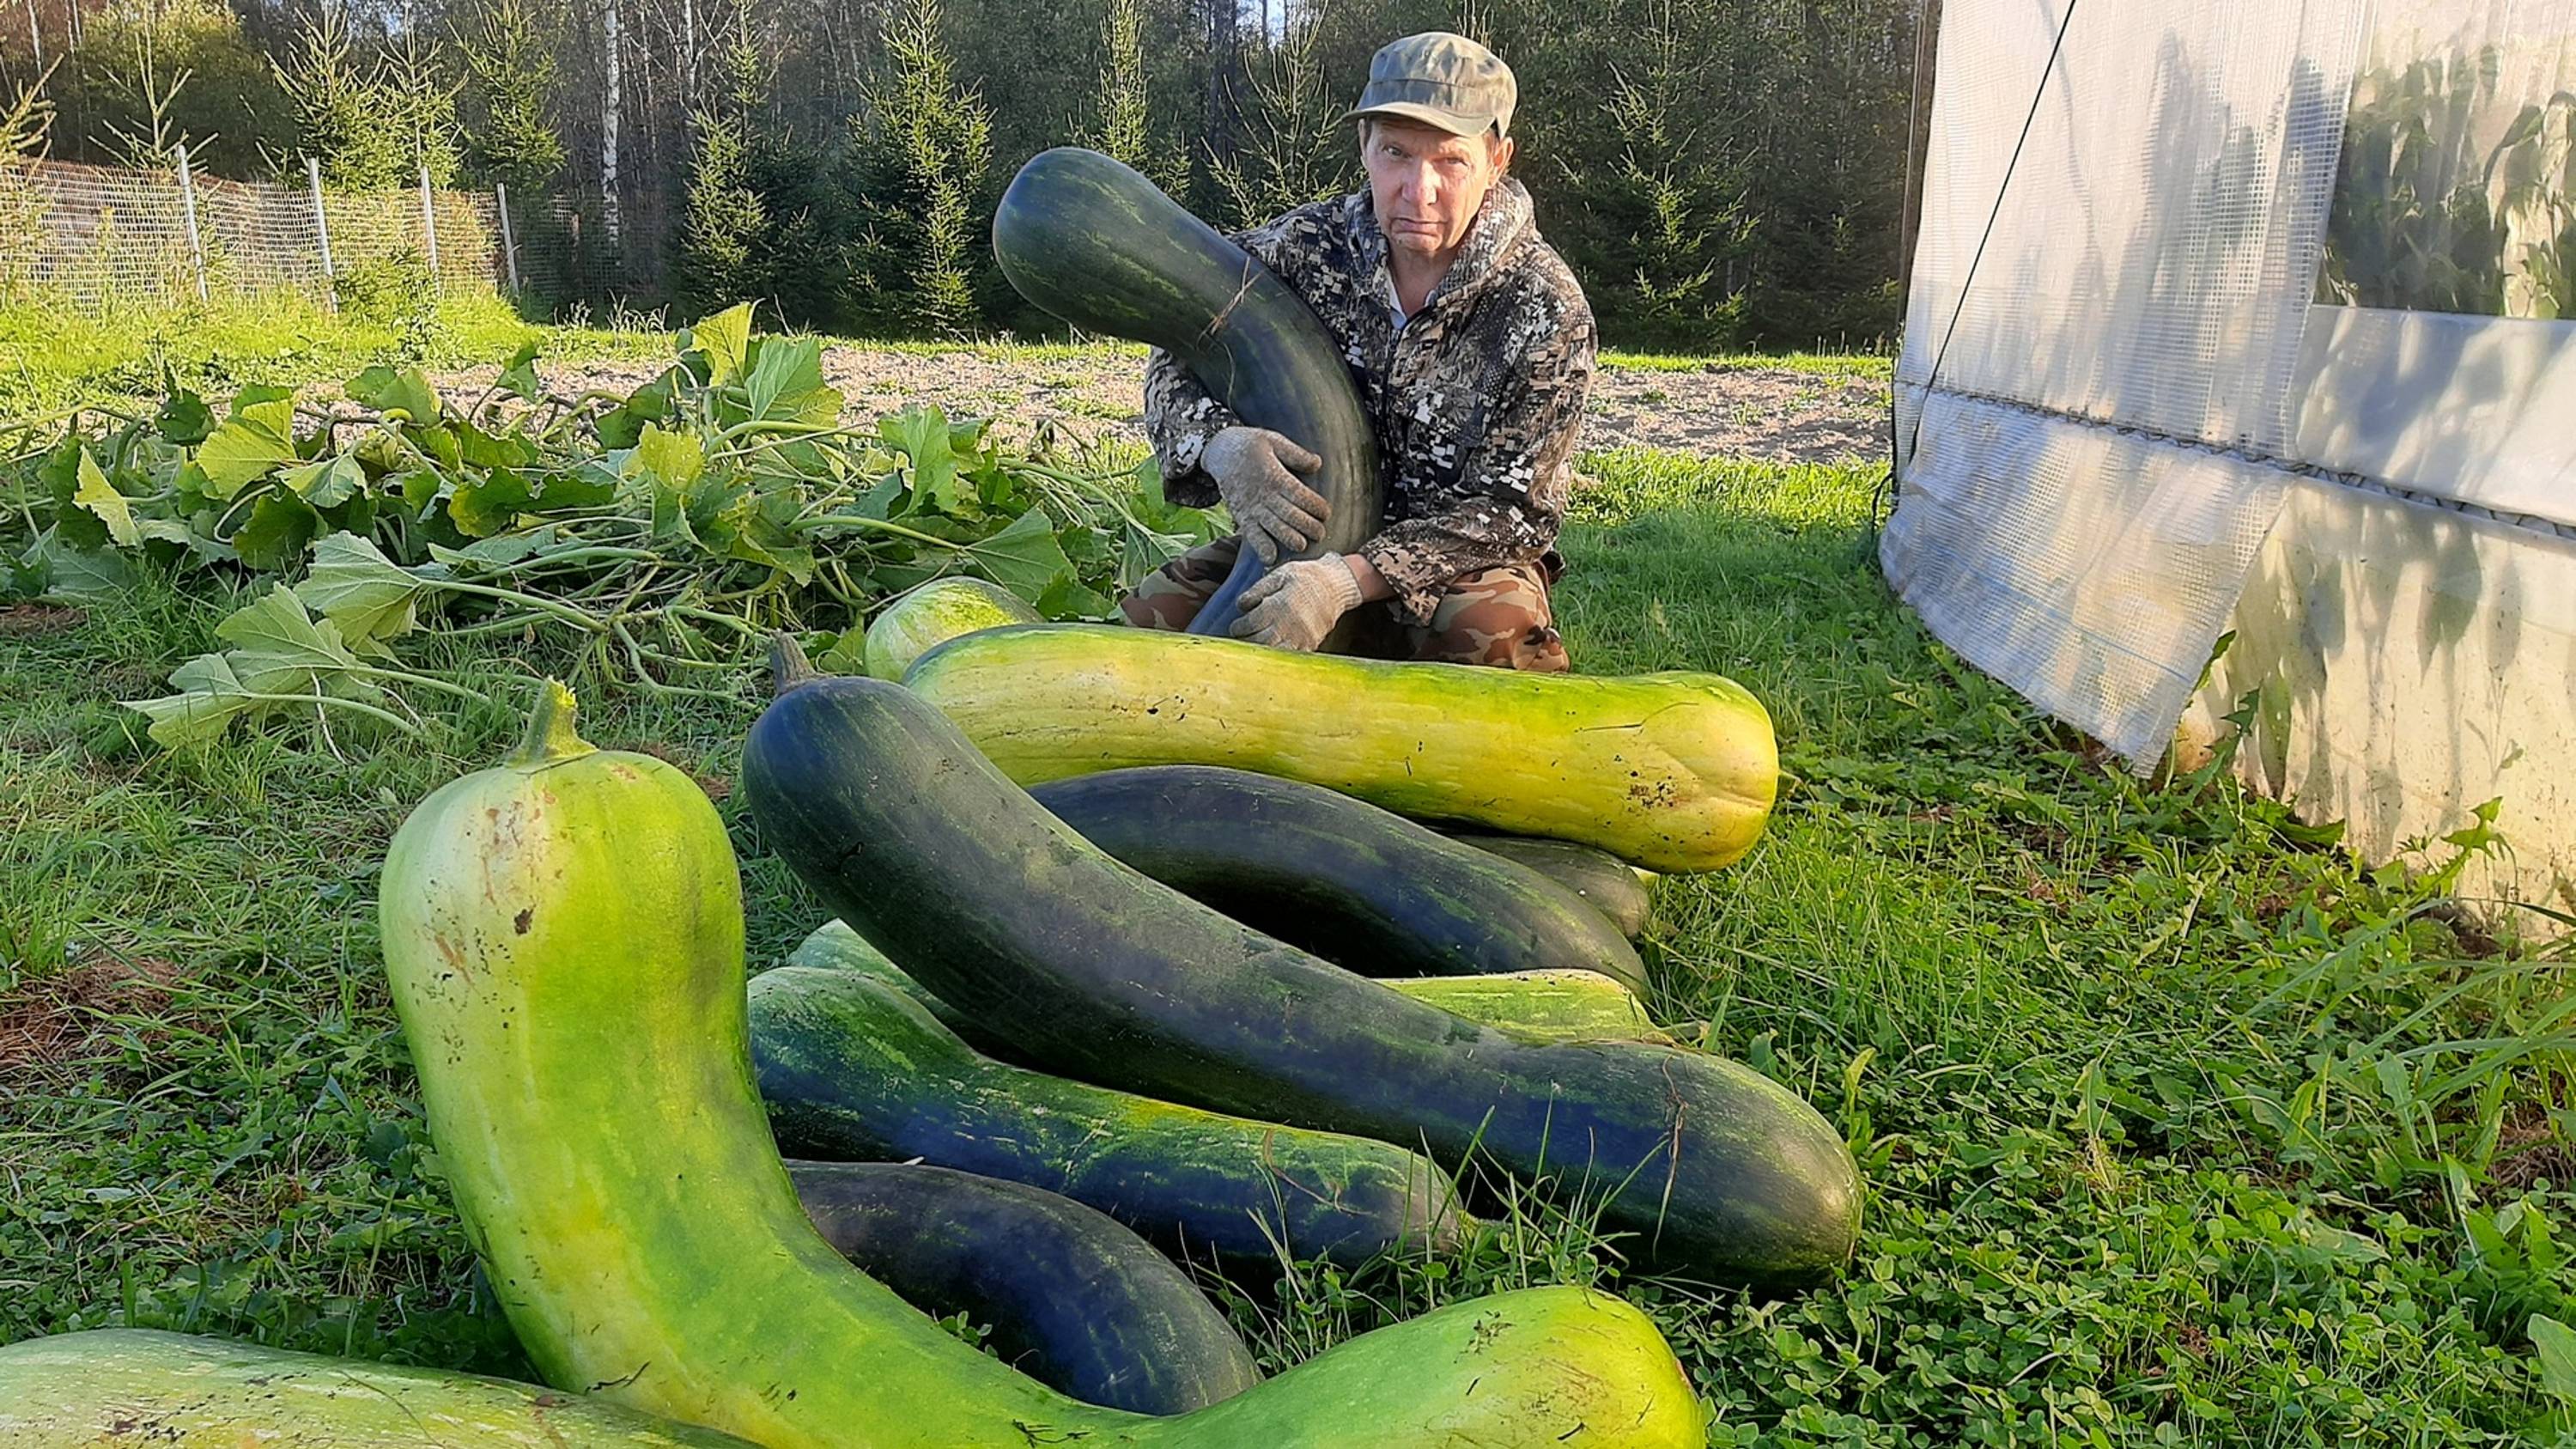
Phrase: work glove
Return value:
(1296, 604)
(1277, 514)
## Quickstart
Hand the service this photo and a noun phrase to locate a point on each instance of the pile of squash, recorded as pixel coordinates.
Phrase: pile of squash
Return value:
(1014, 1033)
(1139, 950)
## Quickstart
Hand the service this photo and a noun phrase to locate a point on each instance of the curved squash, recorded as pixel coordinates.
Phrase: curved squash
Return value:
(1672, 771)
(1095, 243)
(1092, 970)
(1359, 886)
(1604, 882)
(1072, 1299)
(853, 1069)
(563, 934)
(130, 1385)
(1535, 1005)
(1540, 1005)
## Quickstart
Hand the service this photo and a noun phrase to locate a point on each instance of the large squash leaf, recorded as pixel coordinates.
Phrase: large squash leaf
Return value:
(404, 394)
(361, 592)
(1025, 557)
(258, 439)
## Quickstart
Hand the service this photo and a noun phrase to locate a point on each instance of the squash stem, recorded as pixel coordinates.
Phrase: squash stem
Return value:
(788, 666)
(550, 739)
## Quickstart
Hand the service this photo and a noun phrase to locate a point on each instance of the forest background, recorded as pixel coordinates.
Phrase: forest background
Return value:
(1720, 173)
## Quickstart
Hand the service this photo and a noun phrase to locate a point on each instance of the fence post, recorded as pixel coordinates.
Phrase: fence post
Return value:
(509, 245)
(429, 231)
(188, 203)
(322, 233)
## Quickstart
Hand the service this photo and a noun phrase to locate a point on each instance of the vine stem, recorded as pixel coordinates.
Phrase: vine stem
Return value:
(712, 617)
(877, 525)
(644, 677)
(564, 612)
(388, 716)
(538, 563)
(550, 738)
(798, 432)
(405, 676)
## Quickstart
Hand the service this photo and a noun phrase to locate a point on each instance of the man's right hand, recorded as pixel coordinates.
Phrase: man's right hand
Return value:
(1277, 514)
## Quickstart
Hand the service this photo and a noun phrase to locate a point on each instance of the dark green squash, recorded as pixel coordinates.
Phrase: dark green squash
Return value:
(1549, 1005)
(1095, 243)
(1604, 881)
(1361, 887)
(881, 806)
(853, 1068)
(1073, 1300)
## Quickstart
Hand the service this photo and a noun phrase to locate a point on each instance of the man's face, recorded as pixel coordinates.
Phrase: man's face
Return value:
(1427, 183)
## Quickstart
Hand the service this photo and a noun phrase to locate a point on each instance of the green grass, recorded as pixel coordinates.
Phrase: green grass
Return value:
(53, 358)
(1836, 366)
(2178, 1129)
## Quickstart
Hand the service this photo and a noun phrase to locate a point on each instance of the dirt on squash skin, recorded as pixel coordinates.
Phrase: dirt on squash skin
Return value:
(64, 1017)
(1717, 410)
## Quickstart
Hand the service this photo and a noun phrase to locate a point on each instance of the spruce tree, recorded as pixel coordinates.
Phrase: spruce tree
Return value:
(1125, 128)
(1291, 146)
(921, 151)
(150, 137)
(342, 116)
(509, 49)
(152, 77)
(23, 125)
(1675, 192)
(723, 255)
(417, 94)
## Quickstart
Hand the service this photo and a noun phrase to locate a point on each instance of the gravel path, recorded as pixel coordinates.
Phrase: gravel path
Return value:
(1721, 410)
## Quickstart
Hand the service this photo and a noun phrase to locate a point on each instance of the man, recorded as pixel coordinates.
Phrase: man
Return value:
(1472, 349)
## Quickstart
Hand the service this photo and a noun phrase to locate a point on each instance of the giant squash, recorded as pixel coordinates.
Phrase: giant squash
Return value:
(1672, 771)
(564, 937)
(1068, 1296)
(1094, 971)
(1359, 886)
(1089, 239)
(1537, 1005)
(176, 1391)
(854, 1069)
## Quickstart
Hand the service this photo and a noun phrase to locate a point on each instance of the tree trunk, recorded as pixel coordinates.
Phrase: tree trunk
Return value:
(608, 117)
(1225, 48)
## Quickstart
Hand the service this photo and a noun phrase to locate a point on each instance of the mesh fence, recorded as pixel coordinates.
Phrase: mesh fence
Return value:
(101, 237)
(572, 263)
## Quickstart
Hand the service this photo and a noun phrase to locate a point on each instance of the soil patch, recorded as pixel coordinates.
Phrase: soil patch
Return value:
(26, 621)
(1768, 413)
(1719, 410)
(63, 1017)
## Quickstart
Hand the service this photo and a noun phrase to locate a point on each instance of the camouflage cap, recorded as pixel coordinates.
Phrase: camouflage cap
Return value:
(1441, 80)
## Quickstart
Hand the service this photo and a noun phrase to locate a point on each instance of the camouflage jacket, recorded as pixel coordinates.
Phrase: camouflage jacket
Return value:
(1476, 402)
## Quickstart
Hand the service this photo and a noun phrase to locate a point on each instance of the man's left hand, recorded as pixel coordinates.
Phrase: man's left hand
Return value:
(1296, 604)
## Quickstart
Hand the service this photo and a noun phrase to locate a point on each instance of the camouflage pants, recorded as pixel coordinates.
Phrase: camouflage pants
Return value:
(1496, 616)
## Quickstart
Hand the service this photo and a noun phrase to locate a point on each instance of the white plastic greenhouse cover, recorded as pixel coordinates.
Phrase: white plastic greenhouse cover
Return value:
(2157, 338)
